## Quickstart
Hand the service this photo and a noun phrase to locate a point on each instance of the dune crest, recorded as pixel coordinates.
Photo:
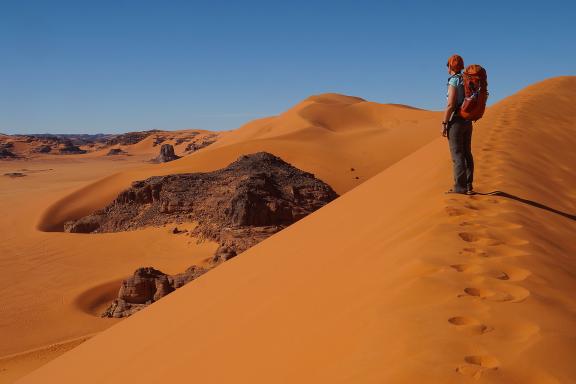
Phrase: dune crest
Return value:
(392, 282)
(342, 140)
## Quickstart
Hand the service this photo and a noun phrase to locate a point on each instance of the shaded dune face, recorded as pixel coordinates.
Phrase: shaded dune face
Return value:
(94, 300)
(447, 288)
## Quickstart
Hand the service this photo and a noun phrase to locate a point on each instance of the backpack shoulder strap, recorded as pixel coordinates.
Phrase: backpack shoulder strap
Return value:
(457, 76)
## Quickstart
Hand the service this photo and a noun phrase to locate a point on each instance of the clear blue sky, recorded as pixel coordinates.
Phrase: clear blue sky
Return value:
(113, 66)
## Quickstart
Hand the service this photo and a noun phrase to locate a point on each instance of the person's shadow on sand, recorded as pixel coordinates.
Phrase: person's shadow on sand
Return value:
(529, 202)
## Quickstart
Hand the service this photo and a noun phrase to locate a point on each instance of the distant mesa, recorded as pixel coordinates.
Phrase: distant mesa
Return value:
(166, 154)
(130, 138)
(74, 144)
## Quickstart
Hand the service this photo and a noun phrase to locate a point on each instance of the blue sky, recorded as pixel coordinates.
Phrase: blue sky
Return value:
(114, 66)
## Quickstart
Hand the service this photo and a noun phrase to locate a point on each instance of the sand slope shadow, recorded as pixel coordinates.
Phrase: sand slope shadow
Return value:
(528, 202)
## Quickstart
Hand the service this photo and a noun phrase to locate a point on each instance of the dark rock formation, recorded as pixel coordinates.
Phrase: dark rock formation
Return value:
(7, 154)
(181, 140)
(203, 142)
(68, 148)
(237, 206)
(177, 231)
(115, 152)
(158, 140)
(42, 149)
(223, 253)
(15, 174)
(146, 286)
(130, 138)
(166, 154)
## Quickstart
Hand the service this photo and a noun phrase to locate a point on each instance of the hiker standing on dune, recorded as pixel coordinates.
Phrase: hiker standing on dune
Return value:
(467, 96)
(458, 130)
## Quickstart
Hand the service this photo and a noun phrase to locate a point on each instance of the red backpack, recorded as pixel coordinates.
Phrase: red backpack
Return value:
(475, 92)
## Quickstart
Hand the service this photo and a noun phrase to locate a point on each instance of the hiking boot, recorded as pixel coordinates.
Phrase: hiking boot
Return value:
(454, 191)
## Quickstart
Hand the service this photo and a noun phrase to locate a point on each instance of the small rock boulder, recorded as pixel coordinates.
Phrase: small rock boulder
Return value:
(166, 154)
(146, 286)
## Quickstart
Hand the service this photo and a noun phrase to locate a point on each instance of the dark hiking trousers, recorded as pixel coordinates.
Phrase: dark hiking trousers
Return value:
(460, 140)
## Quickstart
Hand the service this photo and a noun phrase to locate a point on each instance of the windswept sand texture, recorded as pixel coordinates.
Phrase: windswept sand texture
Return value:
(394, 282)
(53, 284)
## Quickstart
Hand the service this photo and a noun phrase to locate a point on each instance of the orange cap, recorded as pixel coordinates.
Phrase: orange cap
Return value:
(456, 63)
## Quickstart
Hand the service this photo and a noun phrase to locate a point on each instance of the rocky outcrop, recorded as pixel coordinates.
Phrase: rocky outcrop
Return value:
(158, 140)
(115, 152)
(42, 149)
(68, 148)
(7, 154)
(146, 286)
(130, 138)
(237, 206)
(201, 143)
(166, 154)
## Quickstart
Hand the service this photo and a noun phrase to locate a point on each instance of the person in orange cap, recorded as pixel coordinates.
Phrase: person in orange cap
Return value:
(458, 130)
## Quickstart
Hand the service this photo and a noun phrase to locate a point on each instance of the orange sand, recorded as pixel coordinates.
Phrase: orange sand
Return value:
(394, 282)
(54, 283)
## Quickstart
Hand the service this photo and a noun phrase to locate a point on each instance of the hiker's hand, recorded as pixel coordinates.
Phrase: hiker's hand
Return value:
(444, 130)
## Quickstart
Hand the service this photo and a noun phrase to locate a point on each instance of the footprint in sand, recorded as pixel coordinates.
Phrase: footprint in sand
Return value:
(471, 206)
(470, 324)
(511, 294)
(477, 365)
(484, 199)
(471, 237)
(484, 361)
(452, 211)
(466, 268)
(473, 252)
(510, 274)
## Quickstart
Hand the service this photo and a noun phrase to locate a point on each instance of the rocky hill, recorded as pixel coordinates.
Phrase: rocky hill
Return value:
(253, 197)
(237, 206)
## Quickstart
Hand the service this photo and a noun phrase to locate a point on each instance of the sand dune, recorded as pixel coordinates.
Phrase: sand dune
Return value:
(53, 284)
(393, 282)
(342, 140)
